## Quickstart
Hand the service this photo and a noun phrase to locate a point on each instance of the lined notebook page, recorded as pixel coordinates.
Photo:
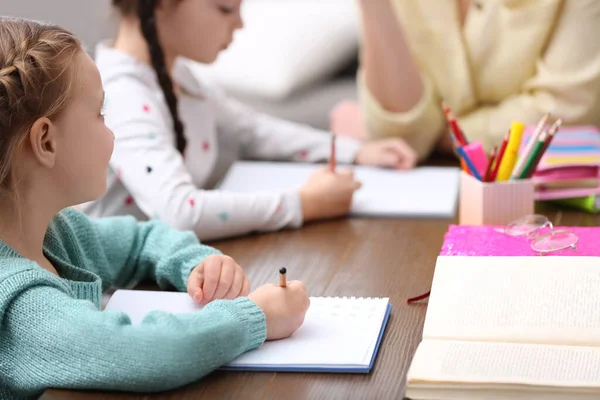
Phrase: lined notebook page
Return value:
(423, 191)
(544, 300)
(337, 332)
(489, 363)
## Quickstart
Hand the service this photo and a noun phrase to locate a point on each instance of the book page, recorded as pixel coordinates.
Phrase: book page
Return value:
(423, 191)
(554, 300)
(505, 363)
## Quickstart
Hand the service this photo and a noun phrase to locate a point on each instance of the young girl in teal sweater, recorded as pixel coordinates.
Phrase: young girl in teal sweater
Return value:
(55, 262)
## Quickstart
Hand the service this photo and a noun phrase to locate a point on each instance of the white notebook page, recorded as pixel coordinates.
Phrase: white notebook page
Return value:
(421, 192)
(337, 332)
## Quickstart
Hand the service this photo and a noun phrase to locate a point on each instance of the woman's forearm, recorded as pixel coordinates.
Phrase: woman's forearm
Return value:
(391, 73)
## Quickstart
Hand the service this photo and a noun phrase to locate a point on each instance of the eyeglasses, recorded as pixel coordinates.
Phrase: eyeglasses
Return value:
(537, 228)
(544, 238)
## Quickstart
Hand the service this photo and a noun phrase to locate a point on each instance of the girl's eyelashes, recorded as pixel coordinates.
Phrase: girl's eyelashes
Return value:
(226, 10)
(227, 7)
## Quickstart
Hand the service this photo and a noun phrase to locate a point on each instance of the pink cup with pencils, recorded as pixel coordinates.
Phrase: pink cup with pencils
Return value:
(496, 189)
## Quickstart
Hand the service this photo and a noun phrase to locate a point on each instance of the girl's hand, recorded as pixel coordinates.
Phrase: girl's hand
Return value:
(284, 308)
(217, 277)
(328, 194)
(388, 153)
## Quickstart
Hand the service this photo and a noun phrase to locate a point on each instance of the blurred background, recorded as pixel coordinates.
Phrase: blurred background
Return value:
(294, 58)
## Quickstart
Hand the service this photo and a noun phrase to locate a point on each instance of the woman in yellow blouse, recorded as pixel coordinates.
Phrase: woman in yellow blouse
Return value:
(492, 61)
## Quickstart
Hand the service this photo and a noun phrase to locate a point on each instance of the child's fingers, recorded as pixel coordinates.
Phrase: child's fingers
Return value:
(406, 156)
(212, 276)
(195, 283)
(390, 159)
(226, 279)
(238, 284)
(347, 173)
(245, 287)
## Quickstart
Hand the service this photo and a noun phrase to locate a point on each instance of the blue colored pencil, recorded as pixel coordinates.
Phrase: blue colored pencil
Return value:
(469, 163)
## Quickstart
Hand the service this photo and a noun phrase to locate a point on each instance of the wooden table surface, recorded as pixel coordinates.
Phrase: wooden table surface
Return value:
(348, 257)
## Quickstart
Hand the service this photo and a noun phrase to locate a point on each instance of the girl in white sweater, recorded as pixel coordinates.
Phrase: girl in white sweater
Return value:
(176, 136)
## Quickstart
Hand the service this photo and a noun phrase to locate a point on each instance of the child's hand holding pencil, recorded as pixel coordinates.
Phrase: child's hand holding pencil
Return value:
(328, 194)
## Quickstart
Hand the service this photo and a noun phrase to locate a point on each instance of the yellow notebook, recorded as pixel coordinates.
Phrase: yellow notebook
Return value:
(510, 328)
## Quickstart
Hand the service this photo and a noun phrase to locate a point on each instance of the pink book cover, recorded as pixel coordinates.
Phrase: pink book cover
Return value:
(468, 240)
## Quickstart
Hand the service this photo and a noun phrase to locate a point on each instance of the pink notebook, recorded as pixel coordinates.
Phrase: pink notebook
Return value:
(467, 240)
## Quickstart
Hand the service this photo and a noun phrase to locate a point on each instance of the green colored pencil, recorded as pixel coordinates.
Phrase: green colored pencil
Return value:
(534, 156)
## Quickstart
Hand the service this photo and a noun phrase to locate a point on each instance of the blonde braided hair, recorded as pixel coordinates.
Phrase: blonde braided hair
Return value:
(36, 80)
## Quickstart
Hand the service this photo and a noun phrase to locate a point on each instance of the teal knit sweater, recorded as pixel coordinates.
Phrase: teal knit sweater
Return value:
(54, 335)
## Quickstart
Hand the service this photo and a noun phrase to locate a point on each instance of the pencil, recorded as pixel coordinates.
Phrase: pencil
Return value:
(332, 154)
(488, 170)
(526, 155)
(499, 157)
(512, 151)
(551, 133)
(534, 157)
(282, 279)
(458, 133)
(470, 165)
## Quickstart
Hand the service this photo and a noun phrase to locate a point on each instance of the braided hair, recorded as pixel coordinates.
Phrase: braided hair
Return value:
(145, 11)
(36, 80)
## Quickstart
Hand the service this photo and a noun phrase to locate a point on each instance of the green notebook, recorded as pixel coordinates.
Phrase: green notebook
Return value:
(589, 203)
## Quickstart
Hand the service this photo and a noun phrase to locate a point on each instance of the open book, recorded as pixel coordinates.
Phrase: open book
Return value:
(338, 334)
(421, 192)
(510, 328)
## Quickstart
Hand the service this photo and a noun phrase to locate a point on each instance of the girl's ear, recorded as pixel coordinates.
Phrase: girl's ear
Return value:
(42, 139)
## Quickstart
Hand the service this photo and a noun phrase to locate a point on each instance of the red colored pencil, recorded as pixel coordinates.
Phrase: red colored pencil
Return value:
(499, 157)
(488, 170)
(458, 133)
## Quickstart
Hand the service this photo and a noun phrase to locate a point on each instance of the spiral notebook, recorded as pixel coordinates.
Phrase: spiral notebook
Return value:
(339, 334)
(423, 192)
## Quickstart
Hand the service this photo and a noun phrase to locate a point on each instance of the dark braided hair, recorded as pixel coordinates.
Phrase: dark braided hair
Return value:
(146, 14)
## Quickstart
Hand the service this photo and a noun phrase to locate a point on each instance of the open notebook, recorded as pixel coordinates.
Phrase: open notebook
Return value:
(338, 335)
(510, 328)
(421, 192)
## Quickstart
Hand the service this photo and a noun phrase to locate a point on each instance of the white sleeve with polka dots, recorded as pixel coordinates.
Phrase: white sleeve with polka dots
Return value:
(264, 137)
(153, 173)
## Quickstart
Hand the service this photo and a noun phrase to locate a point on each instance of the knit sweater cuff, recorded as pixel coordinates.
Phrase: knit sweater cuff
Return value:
(249, 315)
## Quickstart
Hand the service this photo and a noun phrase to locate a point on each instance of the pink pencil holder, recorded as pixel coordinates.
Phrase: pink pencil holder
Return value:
(494, 203)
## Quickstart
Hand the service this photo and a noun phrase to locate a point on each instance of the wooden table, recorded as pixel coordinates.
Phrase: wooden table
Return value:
(350, 257)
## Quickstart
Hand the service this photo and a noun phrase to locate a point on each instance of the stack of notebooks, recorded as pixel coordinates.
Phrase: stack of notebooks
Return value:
(338, 335)
(510, 328)
(569, 171)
